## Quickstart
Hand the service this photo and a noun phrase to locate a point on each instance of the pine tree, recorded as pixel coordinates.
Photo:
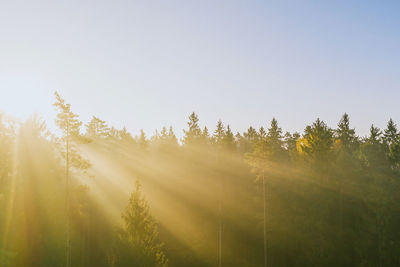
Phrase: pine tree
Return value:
(372, 151)
(218, 141)
(193, 134)
(97, 128)
(167, 139)
(275, 141)
(142, 140)
(258, 160)
(219, 135)
(125, 135)
(391, 139)
(172, 137)
(290, 140)
(317, 144)
(375, 135)
(247, 141)
(205, 137)
(69, 124)
(137, 242)
(345, 135)
(229, 140)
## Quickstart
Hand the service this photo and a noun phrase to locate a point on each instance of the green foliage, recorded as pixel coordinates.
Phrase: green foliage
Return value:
(350, 219)
(391, 139)
(317, 144)
(193, 134)
(136, 244)
(345, 135)
(372, 151)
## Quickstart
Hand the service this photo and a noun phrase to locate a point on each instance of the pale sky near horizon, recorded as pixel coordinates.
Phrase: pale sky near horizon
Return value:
(145, 64)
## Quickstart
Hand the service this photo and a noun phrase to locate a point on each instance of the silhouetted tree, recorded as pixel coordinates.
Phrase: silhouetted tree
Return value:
(391, 139)
(69, 125)
(136, 243)
(193, 134)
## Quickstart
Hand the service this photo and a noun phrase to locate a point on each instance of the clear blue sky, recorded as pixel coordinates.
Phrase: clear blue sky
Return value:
(145, 64)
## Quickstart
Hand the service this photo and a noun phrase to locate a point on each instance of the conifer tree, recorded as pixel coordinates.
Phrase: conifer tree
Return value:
(97, 128)
(258, 160)
(205, 136)
(125, 135)
(137, 242)
(142, 140)
(193, 134)
(229, 140)
(167, 139)
(317, 143)
(219, 135)
(172, 137)
(249, 139)
(290, 140)
(372, 151)
(275, 141)
(218, 140)
(391, 138)
(346, 135)
(69, 124)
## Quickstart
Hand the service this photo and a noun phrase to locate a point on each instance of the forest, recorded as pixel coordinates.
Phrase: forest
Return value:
(90, 194)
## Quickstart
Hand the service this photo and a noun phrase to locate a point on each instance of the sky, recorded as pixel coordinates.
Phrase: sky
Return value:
(146, 64)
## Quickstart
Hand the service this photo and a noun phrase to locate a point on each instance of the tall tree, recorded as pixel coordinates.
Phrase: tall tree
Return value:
(97, 128)
(346, 136)
(391, 139)
(317, 144)
(290, 141)
(193, 134)
(172, 137)
(205, 137)
(258, 160)
(142, 140)
(275, 143)
(125, 135)
(137, 242)
(372, 151)
(219, 135)
(218, 140)
(229, 140)
(69, 124)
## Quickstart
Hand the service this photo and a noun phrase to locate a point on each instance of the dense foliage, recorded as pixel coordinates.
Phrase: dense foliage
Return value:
(326, 197)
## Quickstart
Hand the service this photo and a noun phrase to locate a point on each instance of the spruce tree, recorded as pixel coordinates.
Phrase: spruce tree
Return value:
(372, 151)
(317, 144)
(229, 140)
(219, 135)
(97, 128)
(193, 134)
(275, 141)
(258, 160)
(142, 140)
(137, 242)
(391, 138)
(218, 141)
(345, 135)
(69, 124)
(172, 137)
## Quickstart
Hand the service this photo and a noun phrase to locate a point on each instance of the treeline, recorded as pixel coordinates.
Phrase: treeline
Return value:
(98, 196)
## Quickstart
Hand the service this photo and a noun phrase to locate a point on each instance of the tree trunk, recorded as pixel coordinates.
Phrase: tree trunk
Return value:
(67, 203)
(265, 220)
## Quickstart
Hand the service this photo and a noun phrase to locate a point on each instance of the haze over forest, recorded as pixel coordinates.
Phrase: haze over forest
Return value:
(199, 133)
(98, 196)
